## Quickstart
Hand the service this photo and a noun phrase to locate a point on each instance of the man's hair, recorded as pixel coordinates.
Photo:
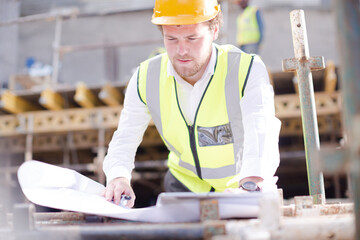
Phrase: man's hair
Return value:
(218, 19)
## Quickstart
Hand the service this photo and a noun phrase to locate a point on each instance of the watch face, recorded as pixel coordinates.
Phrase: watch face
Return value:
(250, 186)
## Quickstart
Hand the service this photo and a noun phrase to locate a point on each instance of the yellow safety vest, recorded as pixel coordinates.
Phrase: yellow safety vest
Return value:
(248, 27)
(207, 154)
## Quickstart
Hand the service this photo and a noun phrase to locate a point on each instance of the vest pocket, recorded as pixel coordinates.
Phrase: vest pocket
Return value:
(214, 136)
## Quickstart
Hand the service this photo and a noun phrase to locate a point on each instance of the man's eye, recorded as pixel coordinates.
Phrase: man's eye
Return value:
(192, 39)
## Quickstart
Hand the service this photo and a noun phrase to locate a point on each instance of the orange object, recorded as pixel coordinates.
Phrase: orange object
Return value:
(183, 12)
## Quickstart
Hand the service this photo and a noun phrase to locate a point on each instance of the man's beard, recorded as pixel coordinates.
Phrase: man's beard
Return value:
(187, 72)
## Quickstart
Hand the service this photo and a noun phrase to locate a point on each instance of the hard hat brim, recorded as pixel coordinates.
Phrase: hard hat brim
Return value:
(183, 19)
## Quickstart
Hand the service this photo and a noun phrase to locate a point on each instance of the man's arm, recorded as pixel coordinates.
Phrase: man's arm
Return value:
(261, 127)
(119, 161)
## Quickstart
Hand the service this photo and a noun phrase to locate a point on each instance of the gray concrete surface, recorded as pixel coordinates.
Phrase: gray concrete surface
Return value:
(35, 39)
(9, 9)
(278, 39)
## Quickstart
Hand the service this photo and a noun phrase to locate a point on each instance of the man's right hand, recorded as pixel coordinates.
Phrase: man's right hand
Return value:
(118, 187)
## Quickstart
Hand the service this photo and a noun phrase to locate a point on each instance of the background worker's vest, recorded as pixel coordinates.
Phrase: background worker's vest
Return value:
(247, 27)
(207, 154)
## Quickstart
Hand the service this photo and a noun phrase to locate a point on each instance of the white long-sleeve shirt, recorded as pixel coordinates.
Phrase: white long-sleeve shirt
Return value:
(261, 127)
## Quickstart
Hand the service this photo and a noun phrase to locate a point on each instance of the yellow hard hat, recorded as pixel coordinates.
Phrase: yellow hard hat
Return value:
(183, 12)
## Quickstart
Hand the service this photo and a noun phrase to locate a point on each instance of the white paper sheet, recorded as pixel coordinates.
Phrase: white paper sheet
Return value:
(66, 189)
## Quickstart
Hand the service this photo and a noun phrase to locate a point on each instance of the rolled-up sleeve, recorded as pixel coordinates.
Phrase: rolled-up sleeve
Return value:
(134, 119)
(261, 127)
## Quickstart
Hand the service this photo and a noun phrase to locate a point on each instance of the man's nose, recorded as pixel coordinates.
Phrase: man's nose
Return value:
(182, 48)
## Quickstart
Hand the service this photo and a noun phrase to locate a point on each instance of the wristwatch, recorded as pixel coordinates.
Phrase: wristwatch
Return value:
(250, 186)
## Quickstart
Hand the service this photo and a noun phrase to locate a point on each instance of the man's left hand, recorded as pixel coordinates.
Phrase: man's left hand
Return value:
(258, 180)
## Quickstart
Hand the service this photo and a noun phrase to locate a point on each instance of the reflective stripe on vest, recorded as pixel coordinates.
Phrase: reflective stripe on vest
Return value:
(158, 89)
(248, 27)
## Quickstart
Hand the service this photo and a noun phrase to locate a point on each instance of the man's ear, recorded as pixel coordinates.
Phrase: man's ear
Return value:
(216, 32)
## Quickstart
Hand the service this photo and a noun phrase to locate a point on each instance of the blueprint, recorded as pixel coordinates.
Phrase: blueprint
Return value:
(61, 188)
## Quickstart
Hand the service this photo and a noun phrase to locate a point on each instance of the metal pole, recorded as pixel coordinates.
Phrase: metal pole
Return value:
(348, 33)
(303, 64)
(56, 54)
(101, 149)
(63, 13)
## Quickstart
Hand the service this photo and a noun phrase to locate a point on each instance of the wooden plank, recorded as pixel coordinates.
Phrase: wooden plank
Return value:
(111, 96)
(51, 100)
(9, 125)
(288, 105)
(326, 125)
(60, 121)
(15, 104)
(271, 77)
(296, 84)
(85, 97)
(330, 77)
(75, 119)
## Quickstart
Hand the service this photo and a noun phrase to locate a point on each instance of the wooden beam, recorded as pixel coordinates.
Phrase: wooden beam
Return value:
(111, 96)
(66, 120)
(327, 125)
(288, 105)
(80, 119)
(51, 100)
(296, 84)
(330, 78)
(271, 77)
(9, 125)
(15, 104)
(85, 97)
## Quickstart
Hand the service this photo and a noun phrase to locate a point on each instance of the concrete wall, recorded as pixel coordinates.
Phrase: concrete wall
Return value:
(88, 66)
(278, 43)
(35, 39)
(9, 9)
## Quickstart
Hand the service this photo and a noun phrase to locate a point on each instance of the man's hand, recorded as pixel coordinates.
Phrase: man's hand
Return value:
(118, 187)
(257, 180)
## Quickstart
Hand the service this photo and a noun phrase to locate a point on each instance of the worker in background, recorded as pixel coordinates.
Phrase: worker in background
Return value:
(250, 28)
(212, 105)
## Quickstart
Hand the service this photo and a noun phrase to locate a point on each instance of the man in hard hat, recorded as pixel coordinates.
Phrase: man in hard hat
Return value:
(250, 28)
(212, 105)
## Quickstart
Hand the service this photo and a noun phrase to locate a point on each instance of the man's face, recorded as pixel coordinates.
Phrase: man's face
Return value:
(243, 3)
(189, 48)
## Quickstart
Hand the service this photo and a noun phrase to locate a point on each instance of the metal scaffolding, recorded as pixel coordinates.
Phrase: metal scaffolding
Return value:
(348, 26)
